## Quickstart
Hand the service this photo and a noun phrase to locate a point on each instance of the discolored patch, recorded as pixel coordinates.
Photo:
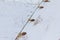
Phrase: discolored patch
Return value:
(40, 7)
(23, 33)
(32, 20)
(46, 0)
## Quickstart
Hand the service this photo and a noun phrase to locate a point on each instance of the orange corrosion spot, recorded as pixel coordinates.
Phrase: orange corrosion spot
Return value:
(20, 35)
(46, 0)
(32, 20)
(40, 7)
(23, 33)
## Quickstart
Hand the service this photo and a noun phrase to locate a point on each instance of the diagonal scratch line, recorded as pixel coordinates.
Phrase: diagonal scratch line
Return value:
(28, 21)
(30, 17)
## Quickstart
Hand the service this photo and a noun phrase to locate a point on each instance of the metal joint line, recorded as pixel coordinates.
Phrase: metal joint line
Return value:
(30, 17)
